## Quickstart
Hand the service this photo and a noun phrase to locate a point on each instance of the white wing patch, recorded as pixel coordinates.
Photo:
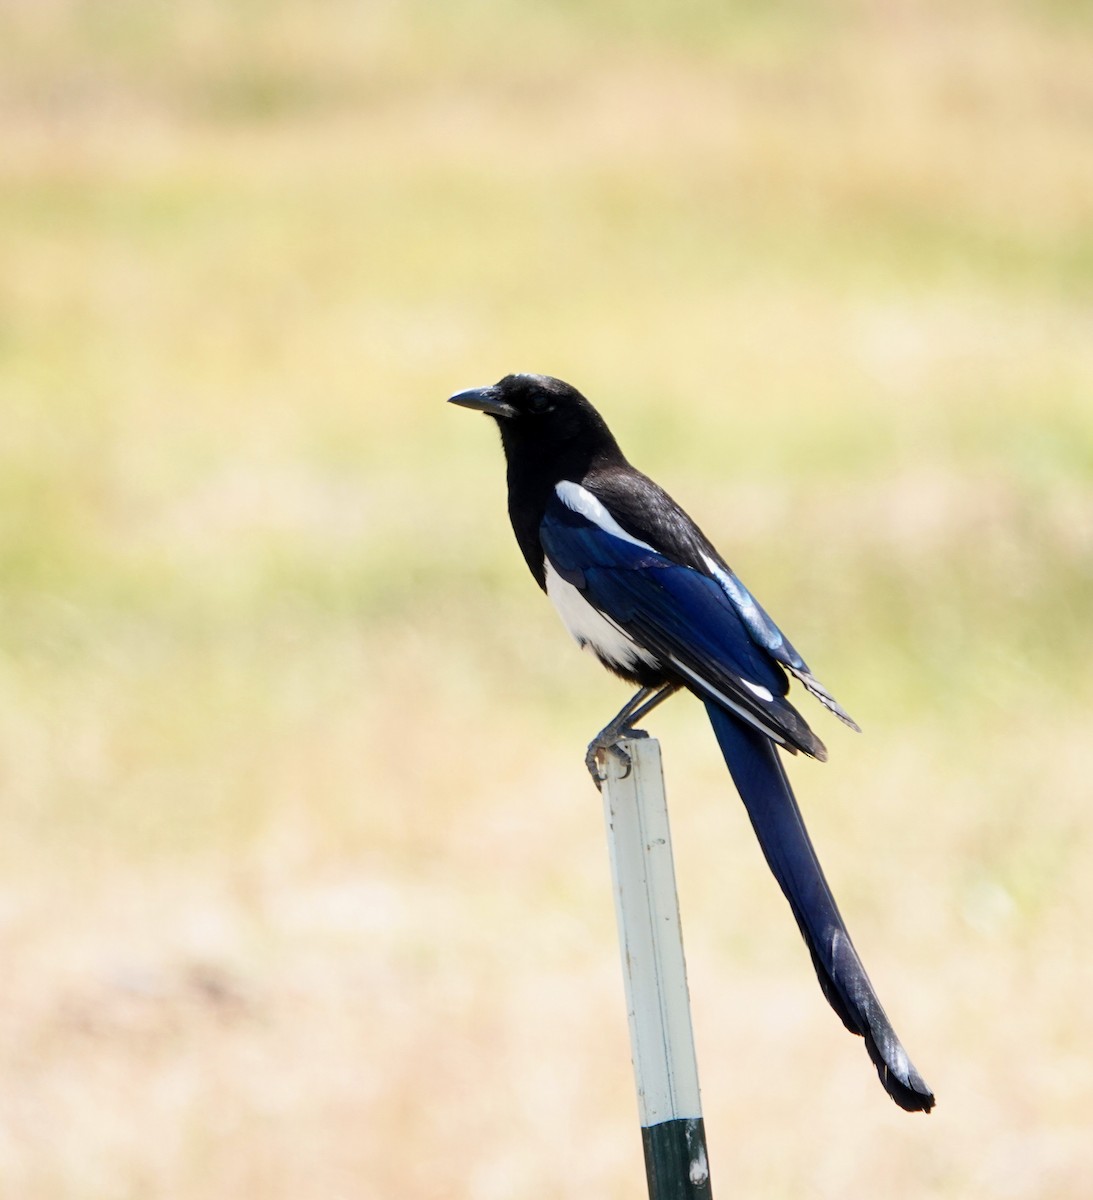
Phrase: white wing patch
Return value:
(581, 500)
(741, 597)
(764, 693)
(740, 711)
(590, 628)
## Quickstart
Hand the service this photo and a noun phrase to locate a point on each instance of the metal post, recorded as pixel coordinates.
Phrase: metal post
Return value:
(657, 1002)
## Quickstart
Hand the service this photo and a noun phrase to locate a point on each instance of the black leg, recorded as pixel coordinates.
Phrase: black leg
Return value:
(621, 726)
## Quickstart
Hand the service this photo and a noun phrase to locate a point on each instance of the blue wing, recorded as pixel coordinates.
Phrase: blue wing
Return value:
(686, 620)
(632, 499)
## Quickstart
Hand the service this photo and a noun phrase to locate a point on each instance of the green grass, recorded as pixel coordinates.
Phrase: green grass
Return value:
(302, 891)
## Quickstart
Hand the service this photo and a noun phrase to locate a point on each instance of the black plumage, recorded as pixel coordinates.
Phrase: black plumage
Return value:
(638, 583)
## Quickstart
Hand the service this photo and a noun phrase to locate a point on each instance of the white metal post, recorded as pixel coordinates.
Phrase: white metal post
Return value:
(655, 974)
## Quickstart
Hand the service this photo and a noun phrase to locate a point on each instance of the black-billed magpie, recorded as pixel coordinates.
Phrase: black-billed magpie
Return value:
(638, 583)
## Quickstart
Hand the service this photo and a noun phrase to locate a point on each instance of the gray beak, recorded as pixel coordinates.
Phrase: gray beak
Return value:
(484, 400)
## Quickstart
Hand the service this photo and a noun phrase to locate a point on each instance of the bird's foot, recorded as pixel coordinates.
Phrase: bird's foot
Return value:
(607, 742)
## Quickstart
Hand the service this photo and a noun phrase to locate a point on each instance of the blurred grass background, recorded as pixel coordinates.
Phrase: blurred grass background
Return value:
(303, 890)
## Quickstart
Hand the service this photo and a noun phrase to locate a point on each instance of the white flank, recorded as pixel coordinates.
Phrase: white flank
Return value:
(581, 500)
(590, 628)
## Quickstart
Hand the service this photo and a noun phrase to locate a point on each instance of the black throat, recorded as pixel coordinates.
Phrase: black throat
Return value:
(536, 465)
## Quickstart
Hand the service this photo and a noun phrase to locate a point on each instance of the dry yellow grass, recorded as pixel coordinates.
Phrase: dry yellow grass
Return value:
(303, 892)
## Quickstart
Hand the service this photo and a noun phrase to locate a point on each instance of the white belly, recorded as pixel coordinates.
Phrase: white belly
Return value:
(591, 629)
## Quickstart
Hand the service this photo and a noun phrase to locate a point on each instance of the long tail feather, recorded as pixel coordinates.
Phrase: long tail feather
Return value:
(759, 777)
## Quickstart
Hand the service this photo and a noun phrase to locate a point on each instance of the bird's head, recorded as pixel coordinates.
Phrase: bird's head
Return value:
(539, 415)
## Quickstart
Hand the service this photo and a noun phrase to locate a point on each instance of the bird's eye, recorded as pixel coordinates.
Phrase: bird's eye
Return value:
(539, 404)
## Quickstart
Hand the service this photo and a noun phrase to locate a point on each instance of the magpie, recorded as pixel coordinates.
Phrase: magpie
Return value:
(637, 583)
